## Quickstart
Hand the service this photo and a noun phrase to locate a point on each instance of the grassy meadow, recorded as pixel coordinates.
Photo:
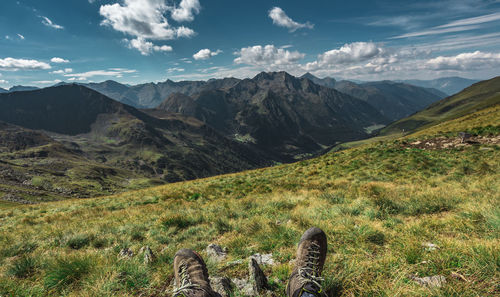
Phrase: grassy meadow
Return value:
(379, 203)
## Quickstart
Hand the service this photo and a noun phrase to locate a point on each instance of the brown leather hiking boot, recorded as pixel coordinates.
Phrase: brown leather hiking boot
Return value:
(305, 279)
(191, 276)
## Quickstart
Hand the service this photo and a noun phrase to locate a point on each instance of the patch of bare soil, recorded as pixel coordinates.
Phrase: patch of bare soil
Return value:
(449, 143)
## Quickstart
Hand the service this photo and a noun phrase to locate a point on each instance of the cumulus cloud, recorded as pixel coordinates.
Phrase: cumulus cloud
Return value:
(349, 53)
(47, 22)
(280, 18)
(186, 10)
(142, 18)
(465, 61)
(11, 64)
(205, 54)
(58, 60)
(3, 81)
(146, 47)
(20, 36)
(268, 55)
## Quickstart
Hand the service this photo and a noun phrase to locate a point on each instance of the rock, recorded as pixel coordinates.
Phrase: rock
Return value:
(126, 253)
(430, 246)
(436, 281)
(244, 286)
(149, 256)
(266, 259)
(222, 285)
(257, 277)
(216, 252)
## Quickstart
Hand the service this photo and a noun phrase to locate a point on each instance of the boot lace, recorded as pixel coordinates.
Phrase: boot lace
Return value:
(185, 285)
(309, 273)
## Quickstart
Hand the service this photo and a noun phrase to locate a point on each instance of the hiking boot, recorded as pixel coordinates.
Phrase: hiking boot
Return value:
(191, 276)
(305, 279)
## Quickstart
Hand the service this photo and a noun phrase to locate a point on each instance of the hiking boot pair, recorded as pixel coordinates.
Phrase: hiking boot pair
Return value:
(191, 275)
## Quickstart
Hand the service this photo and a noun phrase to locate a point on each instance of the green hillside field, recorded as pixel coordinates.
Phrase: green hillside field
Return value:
(380, 204)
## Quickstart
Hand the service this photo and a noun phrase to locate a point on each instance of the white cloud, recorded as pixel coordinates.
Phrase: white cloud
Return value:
(437, 30)
(47, 82)
(47, 22)
(267, 55)
(8, 37)
(465, 61)
(58, 60)
(3, 81)
(175, 69)
(280, 18)
(146, 47)
(186, 10)
(473, 21)
(62, 71)
(142, 18)
(116, 72)
(349, 53)
(20, 36)
(11, 64)
(205, 54)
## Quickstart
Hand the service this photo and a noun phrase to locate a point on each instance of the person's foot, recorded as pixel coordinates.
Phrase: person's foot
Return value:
(305, 279)
(191, 276)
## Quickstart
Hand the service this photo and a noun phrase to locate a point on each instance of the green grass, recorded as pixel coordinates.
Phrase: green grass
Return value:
(378, 202)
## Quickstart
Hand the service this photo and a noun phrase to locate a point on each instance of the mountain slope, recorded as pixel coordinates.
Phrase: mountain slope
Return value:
(22, 88)
(282, 115)
(85, 125)
(448, 85)
(3, 90)
(392, 211)
(476, 97)
(393, 100)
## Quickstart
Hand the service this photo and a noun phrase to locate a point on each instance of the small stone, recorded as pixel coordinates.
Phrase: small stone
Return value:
(216, 252)
(235, 262)
(430, 246)
(265, 259)
(126, 253)
(222, 285)
(149, 256)
(436, 281)
(257, 277)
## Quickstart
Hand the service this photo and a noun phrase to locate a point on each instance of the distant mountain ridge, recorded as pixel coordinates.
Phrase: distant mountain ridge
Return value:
(393, 100)
(448, 85)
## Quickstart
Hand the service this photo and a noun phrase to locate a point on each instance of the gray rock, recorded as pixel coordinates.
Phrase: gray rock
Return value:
(266, 259)
(257, 277)
(244, 286)
(149, 256)
(126, 253)
(216, 252)
(222, 285)
(436, 281)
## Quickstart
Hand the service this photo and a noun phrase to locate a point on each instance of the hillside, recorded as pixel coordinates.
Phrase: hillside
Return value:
(93, 145)
(476, 97)
(391, 210)
(284, 116)
(448, 85)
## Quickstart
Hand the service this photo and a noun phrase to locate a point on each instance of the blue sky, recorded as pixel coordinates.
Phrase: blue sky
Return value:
(135, 41)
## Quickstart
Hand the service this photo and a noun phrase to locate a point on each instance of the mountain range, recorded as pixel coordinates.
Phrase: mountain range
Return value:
(72, 141)
(448, 85)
